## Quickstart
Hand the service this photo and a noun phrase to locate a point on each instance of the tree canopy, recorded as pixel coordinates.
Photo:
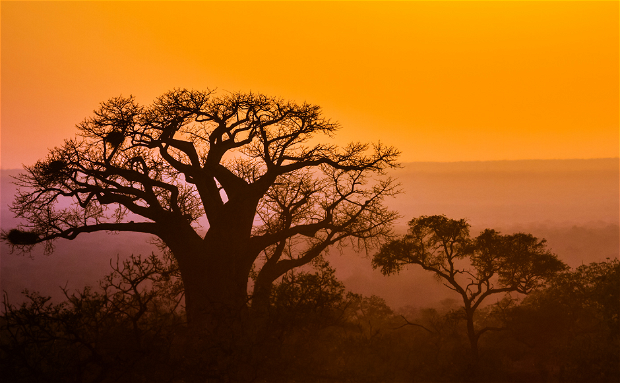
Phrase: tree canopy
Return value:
(257, 173)
(474, 268)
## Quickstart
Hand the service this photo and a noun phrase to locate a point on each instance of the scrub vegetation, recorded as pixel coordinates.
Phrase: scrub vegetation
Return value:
(132, 327)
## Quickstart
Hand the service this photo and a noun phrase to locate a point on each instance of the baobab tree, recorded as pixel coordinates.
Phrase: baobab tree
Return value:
(474, 268)
(254, 171)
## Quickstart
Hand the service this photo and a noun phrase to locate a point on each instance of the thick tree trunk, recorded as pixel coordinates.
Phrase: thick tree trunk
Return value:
(263, 287)
(220, 336)
(216, 289)
(215, 274)
(215, 271)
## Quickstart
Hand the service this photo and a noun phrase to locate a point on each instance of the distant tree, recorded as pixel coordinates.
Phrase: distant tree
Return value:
(272, 196)
(371, 315)
(475, 268)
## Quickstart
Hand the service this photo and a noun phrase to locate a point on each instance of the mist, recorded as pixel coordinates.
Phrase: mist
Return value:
(573, 204)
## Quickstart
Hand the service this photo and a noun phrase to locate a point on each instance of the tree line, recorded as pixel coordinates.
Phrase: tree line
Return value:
(132, 327)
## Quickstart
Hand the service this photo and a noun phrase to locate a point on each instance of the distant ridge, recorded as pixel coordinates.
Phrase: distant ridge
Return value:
(507, 165)
(507, 193)
(581, 163)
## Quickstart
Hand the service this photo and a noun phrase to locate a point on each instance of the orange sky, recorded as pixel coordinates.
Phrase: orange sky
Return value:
(442, 81)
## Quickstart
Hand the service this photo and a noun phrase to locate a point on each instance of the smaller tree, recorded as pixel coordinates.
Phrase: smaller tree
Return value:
(475, 268)
(302, 299)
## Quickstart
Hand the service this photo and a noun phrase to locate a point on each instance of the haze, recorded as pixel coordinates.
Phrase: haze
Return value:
(572, 203)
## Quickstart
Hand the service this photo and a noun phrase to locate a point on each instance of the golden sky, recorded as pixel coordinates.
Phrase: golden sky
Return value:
(442, 81)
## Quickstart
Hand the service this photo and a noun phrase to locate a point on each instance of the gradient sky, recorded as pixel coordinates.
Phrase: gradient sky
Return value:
(442, 81)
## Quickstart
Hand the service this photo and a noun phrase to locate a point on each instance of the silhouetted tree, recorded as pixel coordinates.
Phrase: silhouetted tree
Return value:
(573, 326)
(123, 331)
(303, 299)
(371, 315)
(475, 268)
(305, 308)
(272, 196)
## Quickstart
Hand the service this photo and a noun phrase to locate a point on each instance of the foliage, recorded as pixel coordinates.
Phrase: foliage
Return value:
(520, 262)
(317, 332)
(309, 299)
(572, 326)
(117, 333)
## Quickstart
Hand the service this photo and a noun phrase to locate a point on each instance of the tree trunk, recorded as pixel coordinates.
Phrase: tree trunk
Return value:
(220, 337)
(215, 290)
(473, 342)
(263, 287)
(261, 297)
(215, 274)
(215, 271)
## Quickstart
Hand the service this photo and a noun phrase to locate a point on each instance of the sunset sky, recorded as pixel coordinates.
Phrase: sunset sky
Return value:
(442, 81)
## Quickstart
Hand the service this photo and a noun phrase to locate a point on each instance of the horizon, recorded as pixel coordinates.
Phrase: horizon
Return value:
(442, 82)
(457, 162)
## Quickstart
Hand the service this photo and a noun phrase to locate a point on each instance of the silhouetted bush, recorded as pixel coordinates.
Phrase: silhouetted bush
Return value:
(571, 328)
(132, 328)
(124, 331)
